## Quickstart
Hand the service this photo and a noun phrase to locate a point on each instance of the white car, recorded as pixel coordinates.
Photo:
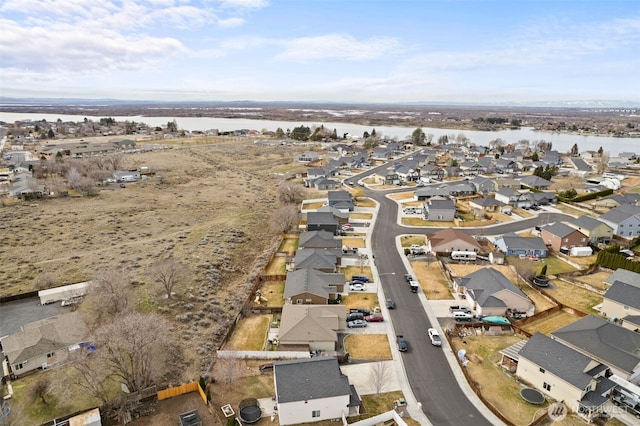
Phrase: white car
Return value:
(357, 287)
(434, 337)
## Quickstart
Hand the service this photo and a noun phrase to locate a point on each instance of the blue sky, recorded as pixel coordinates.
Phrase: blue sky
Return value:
(524, 51)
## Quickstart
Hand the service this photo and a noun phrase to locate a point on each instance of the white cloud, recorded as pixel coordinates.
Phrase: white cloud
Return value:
(245, 4)
(308, 49)
(230, 22)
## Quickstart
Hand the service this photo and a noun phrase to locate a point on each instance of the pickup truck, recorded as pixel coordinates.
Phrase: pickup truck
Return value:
(414, 285)
(402, 343)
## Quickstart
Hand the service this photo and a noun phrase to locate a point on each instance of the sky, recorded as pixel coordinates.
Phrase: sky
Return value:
(398, 51)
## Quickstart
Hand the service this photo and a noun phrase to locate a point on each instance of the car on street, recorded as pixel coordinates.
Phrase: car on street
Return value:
(408, 277)
(403, 346)
(391, 304)
(357, 324)
(357, 287)
(374, 318)
(362, 278)
(434, 336)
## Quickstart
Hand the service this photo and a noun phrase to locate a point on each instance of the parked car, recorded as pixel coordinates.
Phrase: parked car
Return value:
(355, 316)
(357, 324)
(363, 311)
(374, 318)
(434, 336)
(459, 308)
(403, 346)
(357, 287)
(408, 277)
(362, 278)
(391, 304)
(347, 227)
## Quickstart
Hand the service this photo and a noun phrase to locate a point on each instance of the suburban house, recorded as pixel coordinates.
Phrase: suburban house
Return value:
(312, 287)
(310, 328)
(609, 343)
(560, 236)
(433, 172)
(318, 240)
(564, 374)
(311, 390)
(513, 197)
(616, 200)
(390, 177)
(535, 182)
(307, 157)
(325, 260)
(484, 185)
(624, 219)
(450, 239)
(341, 200)
(324, 184)
(445, 190)
(42, 343)
(507, 183)
(515, 245)
(484, 205)
(580, 167)
(594, 229)
(622, 275)
(322, 221)
(491, 293)
(621, 300)
(439, 209)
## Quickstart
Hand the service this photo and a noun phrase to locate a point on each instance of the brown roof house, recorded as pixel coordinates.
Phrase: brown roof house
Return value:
(449, 239)
(310, 327)
(312, 287)
(45, 342)
(559, 235)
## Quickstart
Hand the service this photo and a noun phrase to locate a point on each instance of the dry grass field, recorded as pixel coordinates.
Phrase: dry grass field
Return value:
(595, 280)
(574, 296)
(250, 334)
(432, 280)
(368, 346)
(551, 323)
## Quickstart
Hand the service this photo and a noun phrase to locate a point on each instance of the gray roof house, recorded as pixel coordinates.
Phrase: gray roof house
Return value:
(312, 287)
(535, 182)
(440, 209)
(621, 300)
(341, 200)
(44, 342)
(594, 229)
(492, 293)
(484, 185)
(564, 374)
(624, 219)
(609, 343)
(580, 167)
(515, 245)
(311, 390)
(622, 275)
(322, 221)
(326, 260)
(318, 239)
(310, 327)
(513, 197)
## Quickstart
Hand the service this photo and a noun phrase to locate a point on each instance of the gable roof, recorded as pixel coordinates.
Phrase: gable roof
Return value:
(317, 258)
(44, 336)
(625, 276)
(560, 229)
(487, 202)
(318, 239)
(558, 359)
(626, 294)
(535, 181)
(451, 234)
(321, 218)
(311, 323)
(485, 283)
(515, 242)
(588, 222)
(311, 281)
(441, 204)
(309, 379)
(621, 213)
(604, 340)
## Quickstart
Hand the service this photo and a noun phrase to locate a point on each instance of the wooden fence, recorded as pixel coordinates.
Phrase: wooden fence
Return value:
(181, 390)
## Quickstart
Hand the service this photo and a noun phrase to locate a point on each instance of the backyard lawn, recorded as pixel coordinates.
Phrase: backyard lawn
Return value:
(368, 346)
(539, 300)
(288, 245)
(595, 280)
(354, 242)
(350, 271)
(574, 296)
(273, 291)
(496, 385)
(250, 334)
(432, 280)
(551, 323)
(408, 240)
(360, 300)
(277, 266)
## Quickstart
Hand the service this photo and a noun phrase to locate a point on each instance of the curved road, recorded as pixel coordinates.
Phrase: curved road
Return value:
(432, 381)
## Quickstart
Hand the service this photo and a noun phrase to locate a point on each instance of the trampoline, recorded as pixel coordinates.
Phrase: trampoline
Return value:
(532, 396)
(249, 410)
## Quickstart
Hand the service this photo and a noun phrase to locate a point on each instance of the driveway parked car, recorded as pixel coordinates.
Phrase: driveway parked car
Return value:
(391, 304)
(355, 316)
(357, 324)
(363, 311)
(460, 308)
(357, 287)
(434, 336)
(374, 318)
(362, 278)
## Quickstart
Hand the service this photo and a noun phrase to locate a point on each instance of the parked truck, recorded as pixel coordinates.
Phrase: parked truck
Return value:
(627, 400)
(414, 285)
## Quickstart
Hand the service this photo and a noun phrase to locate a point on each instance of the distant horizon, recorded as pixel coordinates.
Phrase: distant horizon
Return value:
(581, 53)
(7, 101)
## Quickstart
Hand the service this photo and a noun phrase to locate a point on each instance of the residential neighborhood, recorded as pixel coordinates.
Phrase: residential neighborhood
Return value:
(387, 241)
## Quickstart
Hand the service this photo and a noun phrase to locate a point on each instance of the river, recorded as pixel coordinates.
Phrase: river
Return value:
(562, 142)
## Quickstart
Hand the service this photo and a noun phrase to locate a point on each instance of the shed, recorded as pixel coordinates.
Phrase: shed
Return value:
(580, 251)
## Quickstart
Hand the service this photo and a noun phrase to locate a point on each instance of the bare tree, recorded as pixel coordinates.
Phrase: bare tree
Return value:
(379, 376)
(73, 178)
(361, 262)
(284, 218)
(110, 290)
(290, 193)
(115, 161)
(228, 370)
(130, 350)
(170, 273)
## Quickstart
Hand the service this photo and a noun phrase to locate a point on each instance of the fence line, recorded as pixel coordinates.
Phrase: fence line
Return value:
(272, 355)
(181, 390)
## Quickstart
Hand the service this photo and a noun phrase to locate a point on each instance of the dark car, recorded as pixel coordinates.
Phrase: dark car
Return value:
(391, 304)
(355, 316)
(357, 324)
(363, 311)
(361, 278)
(408, 277)
(403, 346)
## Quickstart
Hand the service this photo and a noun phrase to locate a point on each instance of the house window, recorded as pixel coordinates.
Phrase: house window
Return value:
(547, 386)
(566, 240)
(299, 301)
(315, 413)
(50, 355)
(542, 370)
(18, 367)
